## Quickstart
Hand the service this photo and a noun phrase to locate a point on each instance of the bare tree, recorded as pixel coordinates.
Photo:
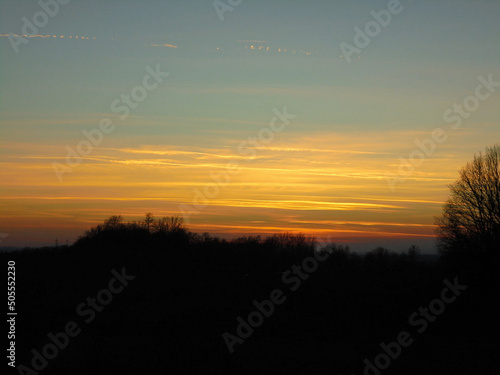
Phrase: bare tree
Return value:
(166, 225)
(161, 225)
(114, 222)
(148, 221)
(176, 223)
(471, 216)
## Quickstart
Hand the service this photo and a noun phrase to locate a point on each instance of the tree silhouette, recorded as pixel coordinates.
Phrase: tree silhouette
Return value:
(114, 222)
(471, 217)
(148, 221)
(166, 225)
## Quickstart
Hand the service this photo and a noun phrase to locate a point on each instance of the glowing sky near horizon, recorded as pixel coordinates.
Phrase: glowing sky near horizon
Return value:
(323, 175)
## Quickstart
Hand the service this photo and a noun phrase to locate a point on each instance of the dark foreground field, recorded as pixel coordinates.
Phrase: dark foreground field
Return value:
(185, 294)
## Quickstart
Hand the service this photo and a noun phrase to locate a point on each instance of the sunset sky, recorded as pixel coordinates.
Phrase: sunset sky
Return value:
(324, 174)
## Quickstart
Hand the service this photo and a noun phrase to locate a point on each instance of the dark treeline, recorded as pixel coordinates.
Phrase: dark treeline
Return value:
(250, 254)
(189, 289)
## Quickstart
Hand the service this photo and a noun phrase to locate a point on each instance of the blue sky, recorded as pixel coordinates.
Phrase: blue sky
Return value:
(354, 120)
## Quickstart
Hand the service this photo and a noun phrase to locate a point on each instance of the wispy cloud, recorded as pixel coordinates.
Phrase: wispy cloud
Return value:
(164, 45)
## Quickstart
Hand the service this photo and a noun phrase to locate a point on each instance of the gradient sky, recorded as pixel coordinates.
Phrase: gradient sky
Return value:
(324, 174)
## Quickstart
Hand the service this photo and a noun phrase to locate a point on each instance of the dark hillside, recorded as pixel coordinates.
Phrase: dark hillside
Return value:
(188, 290)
